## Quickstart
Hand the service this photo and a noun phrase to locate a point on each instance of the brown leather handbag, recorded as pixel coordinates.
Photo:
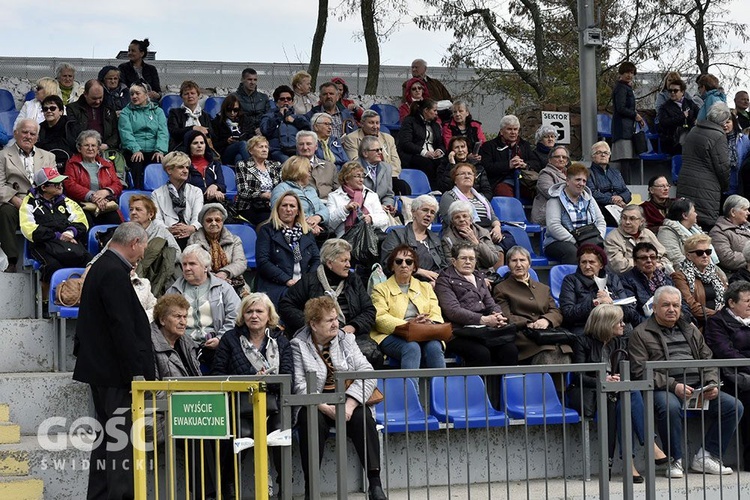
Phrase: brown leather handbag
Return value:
(68, 293)
(418, 332)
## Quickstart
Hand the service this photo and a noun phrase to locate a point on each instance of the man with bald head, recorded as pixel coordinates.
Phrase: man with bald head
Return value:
(90, 113)
(435, 88)
(18, 164)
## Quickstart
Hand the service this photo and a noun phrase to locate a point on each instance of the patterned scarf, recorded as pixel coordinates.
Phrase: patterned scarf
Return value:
(268, 364)
(478, 196)
(292, 235)
(357, 196)
(658, 279)
(218, 255)
(708, 276)
(334, 294)
(193, 117)
(178, 200)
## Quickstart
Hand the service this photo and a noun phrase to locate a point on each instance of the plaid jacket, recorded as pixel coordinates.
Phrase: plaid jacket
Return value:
(248, 184)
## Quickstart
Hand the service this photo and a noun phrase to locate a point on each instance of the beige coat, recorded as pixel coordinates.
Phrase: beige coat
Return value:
(13, 178)
(619, 247)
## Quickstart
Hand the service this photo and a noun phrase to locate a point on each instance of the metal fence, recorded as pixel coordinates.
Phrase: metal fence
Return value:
(498, 433)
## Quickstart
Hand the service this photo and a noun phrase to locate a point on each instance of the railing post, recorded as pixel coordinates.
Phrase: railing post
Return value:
(139, 449)
(260, 448)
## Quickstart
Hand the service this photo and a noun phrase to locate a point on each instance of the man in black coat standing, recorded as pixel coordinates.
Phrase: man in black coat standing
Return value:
(113, 345)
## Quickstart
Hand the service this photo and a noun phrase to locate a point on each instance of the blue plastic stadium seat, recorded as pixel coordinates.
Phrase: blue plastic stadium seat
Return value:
(436, 227)
(522, 239)
(7, 101)
(29, 95)
(248, 237)
(556, 275)
(230, 180)
(212, 106)
(391, 228)
(463, 402)
(676, 167)
(651, 154)
(417, 180)
(93, 246)
(401, 410)
(604, 125)
(125, 202)
(154, 176)
(510, 209)
(533, 397)
(503, 270)
(388, 115)
(61, 313)
(170, 101)
(7, 120)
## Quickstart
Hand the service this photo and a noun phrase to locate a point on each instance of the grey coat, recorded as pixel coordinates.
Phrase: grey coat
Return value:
(728, 240)
(232, 246)
(225, 304)
(548, 177)
(705, 170)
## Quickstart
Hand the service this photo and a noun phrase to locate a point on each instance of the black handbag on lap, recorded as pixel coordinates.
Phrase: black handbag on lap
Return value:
(549, 336)
(488, 336)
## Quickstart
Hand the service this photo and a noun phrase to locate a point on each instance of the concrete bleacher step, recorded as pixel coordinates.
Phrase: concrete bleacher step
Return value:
(21, 488)
(35, 397)
(15, 296)
(30, 345)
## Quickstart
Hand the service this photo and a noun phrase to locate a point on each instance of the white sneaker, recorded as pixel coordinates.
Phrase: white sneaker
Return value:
(674, 469)
(706, 463)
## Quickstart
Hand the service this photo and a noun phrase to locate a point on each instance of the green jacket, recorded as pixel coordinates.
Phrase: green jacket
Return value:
(143, 128)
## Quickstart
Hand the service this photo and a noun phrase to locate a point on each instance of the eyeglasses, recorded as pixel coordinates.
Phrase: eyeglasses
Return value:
(399, 262)
(466, 258)
(284, 99)
(602, 153)
(558, 157)
(358, 176)
(414, 89)
(700, 253)
(648, 257)
(662, 186)
(233, 110)
(674, 91)
(375, 150)
(626, 218)
(49, 108)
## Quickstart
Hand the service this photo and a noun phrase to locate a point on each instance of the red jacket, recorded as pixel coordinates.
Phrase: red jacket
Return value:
(78, 183)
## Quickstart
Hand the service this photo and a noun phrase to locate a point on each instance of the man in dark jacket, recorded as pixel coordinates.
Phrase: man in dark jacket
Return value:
(254, 104)
(343, 120)
(504, 157)
(113, 345)
(90, 113)
(665, 336)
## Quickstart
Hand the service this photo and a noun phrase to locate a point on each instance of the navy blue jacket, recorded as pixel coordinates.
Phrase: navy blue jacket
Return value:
(635, 282)
(606, 184)
(281, 134)
(231, 360)
(577, 296)
(349, 123)
(275, 260)
(214, 175)
(623, 118)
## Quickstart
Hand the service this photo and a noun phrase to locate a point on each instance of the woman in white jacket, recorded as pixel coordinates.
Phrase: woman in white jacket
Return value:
(353, 200)
(179, 203)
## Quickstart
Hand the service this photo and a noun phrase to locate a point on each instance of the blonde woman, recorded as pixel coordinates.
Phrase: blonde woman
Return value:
(33, 108)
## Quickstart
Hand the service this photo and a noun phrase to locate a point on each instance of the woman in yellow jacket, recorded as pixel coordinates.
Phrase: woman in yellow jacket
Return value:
(404, 299)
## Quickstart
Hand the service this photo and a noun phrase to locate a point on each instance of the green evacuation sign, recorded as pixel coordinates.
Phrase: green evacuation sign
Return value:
(199, 415)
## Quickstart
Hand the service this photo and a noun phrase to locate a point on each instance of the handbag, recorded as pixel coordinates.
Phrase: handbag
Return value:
(581, 399)
(418, 332)
(588, 234)
(640, 143)
(68, 293)
(364, 242)
(67, 253)
(549, 336)
(376, 396)
(488, 336)
(528, 178)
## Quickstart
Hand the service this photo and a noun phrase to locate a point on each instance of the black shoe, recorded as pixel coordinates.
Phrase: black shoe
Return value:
(376, 493)
(661, 461)
(638, 479)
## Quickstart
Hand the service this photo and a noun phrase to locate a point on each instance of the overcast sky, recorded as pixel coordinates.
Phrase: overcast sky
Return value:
(217, 30)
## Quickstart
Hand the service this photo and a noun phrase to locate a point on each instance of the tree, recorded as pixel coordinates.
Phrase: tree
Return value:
(318, 37)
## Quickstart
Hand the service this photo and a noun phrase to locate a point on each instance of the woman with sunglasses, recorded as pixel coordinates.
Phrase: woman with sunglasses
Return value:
(280, 125)
(404, 299)
(676, 117)
(232, 128)
(415, 89)
(701, 283)
(57, 133)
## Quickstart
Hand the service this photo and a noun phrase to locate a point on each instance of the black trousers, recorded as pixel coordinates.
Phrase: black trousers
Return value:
(138, 167)
(475, 354)
(111, 472)
(9, 224)
(360, 428)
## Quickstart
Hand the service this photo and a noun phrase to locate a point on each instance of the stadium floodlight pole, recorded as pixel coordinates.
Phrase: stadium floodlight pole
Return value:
(589, 38)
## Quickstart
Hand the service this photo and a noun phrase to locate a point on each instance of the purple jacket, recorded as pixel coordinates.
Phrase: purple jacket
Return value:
(461, 302)
(729, 339)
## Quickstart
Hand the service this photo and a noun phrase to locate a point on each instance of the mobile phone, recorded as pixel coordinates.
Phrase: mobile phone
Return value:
(477, 145)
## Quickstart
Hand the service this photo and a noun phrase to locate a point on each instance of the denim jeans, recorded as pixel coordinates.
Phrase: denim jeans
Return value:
(636, 417)
(668, 408)
(235, 152)
(413, 355)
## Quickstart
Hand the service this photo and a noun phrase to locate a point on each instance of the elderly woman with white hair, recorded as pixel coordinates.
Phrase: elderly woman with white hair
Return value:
(557, 163)
(731, 233)
(506, 157)
(463, 125)
(619, 244)
(418, 236)
(70, 89)
(329, 147)
(606, 183)
(353, 202)
(214, 305)
(545, 138)
(705, 165)
(461, 228)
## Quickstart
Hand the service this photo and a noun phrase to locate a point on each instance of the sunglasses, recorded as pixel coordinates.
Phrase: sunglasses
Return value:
(234, 110)
(285, 99)
(701, 253)
(674, 91)
(54, 184)
(375, 150)
(49, 108)
(398, 262)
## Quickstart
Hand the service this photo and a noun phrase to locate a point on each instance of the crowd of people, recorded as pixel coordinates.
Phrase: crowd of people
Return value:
(312, 171)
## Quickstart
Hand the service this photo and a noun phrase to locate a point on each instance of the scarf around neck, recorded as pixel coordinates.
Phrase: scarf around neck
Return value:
(268, 364)
(333, 293)
(292, 235)
(178, 200)
(709, 276)
(358, 196)
(478, 196)
(218, 255)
